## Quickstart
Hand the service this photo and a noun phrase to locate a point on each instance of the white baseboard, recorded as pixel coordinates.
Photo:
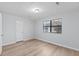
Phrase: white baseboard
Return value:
(8, 43)
(29, 38)
(58, 44)
(25, 39)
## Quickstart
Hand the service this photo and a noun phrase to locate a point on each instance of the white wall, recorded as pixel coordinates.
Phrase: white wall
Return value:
(9, 28)
(70, 34)
(28, 29)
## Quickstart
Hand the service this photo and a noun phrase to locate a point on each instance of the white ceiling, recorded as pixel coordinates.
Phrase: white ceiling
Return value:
(47, 9)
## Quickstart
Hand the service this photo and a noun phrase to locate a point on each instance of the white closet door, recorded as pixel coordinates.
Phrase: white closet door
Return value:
(0, 34)
(19, 31)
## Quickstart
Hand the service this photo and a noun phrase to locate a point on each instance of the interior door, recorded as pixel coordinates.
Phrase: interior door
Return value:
(0, 34)
(19, 31)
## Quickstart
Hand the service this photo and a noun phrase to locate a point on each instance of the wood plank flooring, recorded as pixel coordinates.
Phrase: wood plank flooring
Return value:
(37, 48)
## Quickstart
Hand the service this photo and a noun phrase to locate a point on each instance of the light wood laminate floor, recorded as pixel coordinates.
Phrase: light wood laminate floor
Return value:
(37, 48)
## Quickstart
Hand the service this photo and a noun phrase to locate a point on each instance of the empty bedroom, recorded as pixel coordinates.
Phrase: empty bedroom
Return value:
(39, 28)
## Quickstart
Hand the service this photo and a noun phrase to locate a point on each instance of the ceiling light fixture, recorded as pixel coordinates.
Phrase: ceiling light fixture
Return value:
(36, 10)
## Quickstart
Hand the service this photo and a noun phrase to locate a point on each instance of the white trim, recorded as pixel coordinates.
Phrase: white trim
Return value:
(58, 44)
(28, 38)
(16, 42)
(8, 43)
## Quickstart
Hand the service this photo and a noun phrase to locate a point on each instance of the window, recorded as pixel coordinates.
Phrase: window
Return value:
(52, 26)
